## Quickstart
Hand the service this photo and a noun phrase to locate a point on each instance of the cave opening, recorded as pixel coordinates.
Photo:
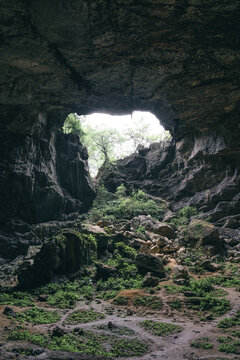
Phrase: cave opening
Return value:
(109, 138)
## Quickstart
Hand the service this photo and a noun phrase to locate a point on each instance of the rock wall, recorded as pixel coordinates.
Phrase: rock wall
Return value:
(198, 171)
(177, 59)
(44, 177)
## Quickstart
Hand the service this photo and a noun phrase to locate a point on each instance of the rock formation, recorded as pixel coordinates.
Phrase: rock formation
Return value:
(176, 59)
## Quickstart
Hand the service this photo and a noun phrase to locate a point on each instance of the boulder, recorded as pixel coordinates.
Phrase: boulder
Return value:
(180, 272)
(149, 280)
(209, 266)
(104, 271)
(152, 226)
(148, 262)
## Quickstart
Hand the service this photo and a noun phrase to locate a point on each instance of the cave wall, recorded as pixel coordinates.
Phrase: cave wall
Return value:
(177, 59)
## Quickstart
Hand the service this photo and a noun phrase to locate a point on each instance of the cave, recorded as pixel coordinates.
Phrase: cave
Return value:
(178, 60)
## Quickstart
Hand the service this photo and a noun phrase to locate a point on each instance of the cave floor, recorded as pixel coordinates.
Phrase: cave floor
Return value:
(124, 322)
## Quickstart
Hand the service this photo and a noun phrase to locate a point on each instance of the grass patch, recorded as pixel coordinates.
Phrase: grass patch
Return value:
(175, 304)
(202, 343)
(152, 302)
(83, 316)
(160, 328)
(230, 322)
(120, 300)
(230, 347)
(116, 329)
(16, 298)
(128, 348)
(85, 342)
(38, 316)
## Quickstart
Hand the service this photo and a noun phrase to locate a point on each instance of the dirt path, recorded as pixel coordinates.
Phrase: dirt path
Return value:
(171, 347)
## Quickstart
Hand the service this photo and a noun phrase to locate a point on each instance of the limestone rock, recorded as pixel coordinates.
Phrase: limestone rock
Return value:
(180, 272)
(149, 280)
(148, 262)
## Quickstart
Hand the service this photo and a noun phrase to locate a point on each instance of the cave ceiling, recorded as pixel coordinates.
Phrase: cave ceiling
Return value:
(177, 59)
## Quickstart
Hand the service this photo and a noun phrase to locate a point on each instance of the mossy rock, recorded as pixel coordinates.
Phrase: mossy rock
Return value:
(66, 253)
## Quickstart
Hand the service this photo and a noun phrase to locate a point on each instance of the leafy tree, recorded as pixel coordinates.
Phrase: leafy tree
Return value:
(139, 134)
(102, 146)
(73, 125)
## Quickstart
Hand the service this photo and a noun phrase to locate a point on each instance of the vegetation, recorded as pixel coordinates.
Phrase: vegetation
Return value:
(38, 316)
(83, 316)
(72, 125)
(120, 300)
(202, 343)
(160, 328)
(85, 342)
(152, 302)
(230, 322)
(115, 207)
(16, 298)
(183, 216)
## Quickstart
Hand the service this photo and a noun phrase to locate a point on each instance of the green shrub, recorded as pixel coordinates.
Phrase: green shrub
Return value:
(38, 316)
(152, 302)
(83, 316)
(202, 343)
(120, 300)
(16, 298)
(183, 216)
(160, 328)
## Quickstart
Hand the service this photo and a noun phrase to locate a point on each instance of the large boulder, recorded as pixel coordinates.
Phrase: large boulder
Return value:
(153, 226)
(150, 263)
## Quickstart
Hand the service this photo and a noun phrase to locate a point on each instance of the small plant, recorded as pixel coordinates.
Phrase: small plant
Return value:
(152, 302)
(83, 316)
(119, 330)
(230, 348)
(38, 316)
(183, 216)
(128, 348)
(120, 300)
(202, 343)
(230, 322)
(17, 298)
(160, 328)
(175, 304)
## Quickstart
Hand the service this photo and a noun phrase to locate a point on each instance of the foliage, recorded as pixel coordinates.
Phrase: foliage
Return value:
(160, 328)
(117, 207)
(128, 347)
(183, 216)
(202, 343)
(230, 322)
(38, 316)
(152, 302)
(120, 300)
(230, 347)
(125, 250)
(175, 304)
(85, 342)
(16, 298)
(63, 299)
(83, 316)
(72, 125)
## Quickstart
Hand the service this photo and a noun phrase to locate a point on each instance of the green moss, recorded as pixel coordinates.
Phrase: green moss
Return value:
(160, 328)
(202, 343)
(38, 316)
(152, 302)
(83, 316)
